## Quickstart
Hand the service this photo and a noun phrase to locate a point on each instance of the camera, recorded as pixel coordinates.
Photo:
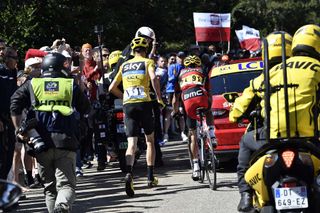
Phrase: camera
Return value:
(27, 127)
(98, 29)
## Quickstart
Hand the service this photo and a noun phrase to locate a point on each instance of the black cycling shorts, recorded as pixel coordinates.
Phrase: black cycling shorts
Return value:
(137, 116)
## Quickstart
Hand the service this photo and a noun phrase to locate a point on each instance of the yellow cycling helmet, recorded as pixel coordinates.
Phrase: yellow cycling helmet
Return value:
(307, 40)
(275, 46)
(114, 57)
(192, 60)
(139, 42)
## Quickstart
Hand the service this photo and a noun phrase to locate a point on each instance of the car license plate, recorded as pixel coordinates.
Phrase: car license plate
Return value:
(120, 128)
(291, 198)
(123, 145)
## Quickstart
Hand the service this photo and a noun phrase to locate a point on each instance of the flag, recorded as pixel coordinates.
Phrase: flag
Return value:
(249, 38)
(212, 26)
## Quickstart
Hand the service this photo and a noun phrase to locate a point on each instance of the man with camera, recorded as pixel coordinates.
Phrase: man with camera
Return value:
(52, 133)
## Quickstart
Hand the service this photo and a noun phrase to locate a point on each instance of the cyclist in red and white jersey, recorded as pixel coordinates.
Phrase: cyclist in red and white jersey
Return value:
(194, 88)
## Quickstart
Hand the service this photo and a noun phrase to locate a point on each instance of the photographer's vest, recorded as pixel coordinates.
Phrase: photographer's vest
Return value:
(53, 94)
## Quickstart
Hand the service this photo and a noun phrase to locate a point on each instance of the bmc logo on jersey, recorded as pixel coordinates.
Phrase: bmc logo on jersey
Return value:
(191, 93)
(51, 86)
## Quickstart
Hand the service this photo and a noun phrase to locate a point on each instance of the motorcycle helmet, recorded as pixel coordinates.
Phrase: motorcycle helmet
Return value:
(53, 65)
(114, 57)
(139, 42)
(275, 46)
(145, 32)
(307, 40)
(192, 60)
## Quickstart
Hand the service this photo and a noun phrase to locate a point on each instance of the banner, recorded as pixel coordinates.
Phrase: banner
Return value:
(249, 38)
(212, 26)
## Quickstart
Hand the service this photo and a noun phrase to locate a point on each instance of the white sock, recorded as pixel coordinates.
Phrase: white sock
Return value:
(196, 166)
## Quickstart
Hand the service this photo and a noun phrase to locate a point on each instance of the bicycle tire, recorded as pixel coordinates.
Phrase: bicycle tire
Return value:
(211, 166)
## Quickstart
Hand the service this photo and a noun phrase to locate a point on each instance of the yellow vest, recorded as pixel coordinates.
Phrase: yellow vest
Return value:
(53, 94)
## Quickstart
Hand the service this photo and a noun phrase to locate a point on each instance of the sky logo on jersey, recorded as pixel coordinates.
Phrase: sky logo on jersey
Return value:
(51, 86)
(134, 68)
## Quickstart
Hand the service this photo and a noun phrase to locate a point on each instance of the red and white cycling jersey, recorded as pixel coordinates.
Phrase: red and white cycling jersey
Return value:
(193, 84)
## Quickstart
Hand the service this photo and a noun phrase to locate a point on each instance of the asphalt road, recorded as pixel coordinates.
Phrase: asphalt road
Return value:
(177, 192)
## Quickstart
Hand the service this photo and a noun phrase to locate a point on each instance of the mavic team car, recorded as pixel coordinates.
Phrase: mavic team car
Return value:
(227, 80)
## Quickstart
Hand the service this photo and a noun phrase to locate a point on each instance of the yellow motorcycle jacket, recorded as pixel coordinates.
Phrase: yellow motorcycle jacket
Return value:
(243, 102)
(303, 76)
(303, 92)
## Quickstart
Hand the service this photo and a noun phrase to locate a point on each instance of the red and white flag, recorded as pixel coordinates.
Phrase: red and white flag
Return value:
(212, 26)
(249, 38)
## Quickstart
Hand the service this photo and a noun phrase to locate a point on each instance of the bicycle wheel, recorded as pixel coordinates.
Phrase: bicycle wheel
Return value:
(211, 166)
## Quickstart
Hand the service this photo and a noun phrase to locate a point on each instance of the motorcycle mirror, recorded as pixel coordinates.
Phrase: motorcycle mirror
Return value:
(9, 194)
(231, 96)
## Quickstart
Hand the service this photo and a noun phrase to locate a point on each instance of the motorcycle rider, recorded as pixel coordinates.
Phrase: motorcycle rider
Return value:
(302, 70)
(243, 105)
(53, 97)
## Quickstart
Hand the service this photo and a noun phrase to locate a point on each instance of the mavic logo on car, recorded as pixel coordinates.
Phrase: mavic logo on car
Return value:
(51, 86)
(192, 94)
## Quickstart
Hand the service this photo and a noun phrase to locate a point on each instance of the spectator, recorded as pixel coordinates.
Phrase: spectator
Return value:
(8, 85)
(172, 59)
(173, 73)
(2, 48)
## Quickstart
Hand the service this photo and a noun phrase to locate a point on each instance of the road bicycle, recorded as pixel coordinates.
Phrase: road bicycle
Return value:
(208, 160)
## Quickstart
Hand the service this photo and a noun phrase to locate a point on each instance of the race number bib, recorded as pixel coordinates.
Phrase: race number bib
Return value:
(191, 80)
(134, 93)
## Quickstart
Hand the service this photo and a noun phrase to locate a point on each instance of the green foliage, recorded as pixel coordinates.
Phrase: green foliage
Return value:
(20, 25)
(35, 23)
(271, 15)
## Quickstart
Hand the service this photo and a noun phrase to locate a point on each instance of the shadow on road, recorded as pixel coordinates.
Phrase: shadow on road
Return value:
(104, 191)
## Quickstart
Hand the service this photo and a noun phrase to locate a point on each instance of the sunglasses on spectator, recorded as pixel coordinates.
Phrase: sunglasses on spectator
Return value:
(105, 55)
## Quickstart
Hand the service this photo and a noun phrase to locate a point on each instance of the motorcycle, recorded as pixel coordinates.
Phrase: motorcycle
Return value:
(118, 136)
(285, 177)
(10, 194)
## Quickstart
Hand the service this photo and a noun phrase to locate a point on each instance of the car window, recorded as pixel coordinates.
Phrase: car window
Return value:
(233, 82)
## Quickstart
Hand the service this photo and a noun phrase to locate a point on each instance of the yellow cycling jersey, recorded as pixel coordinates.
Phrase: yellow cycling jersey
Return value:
(303, 80)
(135, 79)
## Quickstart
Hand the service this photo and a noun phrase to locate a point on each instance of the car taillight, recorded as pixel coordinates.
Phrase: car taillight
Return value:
(289, 184)
(287, 157)
(119, 116)
(218, 112)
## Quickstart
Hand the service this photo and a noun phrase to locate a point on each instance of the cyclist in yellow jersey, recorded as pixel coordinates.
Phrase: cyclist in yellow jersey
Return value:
(136, 75)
